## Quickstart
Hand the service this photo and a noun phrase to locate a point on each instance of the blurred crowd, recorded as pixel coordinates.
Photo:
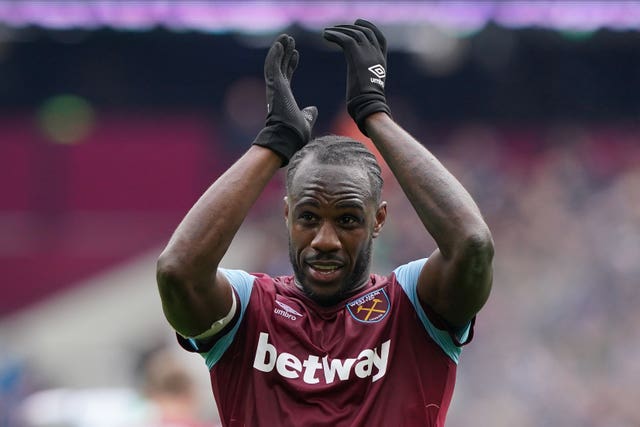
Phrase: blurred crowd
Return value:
(162, 393)
(554, 344)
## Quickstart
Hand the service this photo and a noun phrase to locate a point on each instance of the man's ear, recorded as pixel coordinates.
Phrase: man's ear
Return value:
(381, 216)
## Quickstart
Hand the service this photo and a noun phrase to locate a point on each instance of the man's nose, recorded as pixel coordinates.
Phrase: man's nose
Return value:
(326, 239)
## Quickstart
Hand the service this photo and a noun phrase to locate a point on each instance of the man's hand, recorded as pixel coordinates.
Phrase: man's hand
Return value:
(365, 49)
(287, 128)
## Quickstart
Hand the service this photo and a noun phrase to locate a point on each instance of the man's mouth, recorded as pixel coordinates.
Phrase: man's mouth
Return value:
(323, 271)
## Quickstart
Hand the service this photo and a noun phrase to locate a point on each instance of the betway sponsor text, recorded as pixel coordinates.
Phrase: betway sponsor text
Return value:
(313, 369)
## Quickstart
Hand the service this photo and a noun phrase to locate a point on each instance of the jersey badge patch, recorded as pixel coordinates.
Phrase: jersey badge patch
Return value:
(370, 308)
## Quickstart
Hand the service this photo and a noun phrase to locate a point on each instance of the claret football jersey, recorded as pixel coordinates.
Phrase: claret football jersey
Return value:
(376, 359)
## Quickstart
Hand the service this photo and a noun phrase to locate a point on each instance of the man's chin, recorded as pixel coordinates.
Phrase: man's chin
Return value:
(325, 294)
(326, 300)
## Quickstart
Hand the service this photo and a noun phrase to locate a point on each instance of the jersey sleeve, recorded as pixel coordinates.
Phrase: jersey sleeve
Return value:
(407, 276)
(212, 351)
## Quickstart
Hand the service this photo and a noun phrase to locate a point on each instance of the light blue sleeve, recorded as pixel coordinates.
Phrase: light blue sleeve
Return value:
(407, 275)
(242, 282)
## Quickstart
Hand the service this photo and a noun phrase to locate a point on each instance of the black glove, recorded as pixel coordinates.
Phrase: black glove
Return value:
(287, 128)
(365, 49)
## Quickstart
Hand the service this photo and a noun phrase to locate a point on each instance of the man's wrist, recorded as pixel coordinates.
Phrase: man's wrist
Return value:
(281, 139)
(363, 106)
(374, 121)
(268, 154)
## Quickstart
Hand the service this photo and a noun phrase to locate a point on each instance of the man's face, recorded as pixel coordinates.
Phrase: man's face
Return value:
(332, 220)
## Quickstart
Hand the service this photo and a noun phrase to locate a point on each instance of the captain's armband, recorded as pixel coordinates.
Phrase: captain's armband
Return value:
(218, 325)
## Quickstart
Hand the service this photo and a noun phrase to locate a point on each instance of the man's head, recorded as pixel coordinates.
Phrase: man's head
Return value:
(333, 212)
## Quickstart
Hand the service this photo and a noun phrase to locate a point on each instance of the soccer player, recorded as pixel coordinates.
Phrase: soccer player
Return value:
(331, 344)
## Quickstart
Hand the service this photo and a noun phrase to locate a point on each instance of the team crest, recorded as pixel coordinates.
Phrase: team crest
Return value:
(370, 308)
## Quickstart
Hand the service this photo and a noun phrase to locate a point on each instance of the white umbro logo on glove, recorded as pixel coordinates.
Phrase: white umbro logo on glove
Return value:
(378, 71)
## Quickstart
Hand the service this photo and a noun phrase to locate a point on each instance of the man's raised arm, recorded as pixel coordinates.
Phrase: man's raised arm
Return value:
(194, 294)
(456, 280)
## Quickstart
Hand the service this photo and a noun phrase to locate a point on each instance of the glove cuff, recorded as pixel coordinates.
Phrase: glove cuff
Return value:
(280, 139)
(363, 106)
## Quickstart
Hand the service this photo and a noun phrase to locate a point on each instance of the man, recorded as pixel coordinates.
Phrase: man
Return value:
(170, 395)
(332, 344)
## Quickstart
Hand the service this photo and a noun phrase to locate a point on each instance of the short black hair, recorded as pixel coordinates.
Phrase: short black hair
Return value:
(341, 151)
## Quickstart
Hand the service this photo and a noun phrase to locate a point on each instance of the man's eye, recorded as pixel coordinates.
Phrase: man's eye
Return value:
(306, 216)
(349, 220)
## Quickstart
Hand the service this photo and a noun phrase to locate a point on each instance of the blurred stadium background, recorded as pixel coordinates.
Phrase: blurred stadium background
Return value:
(115, 116)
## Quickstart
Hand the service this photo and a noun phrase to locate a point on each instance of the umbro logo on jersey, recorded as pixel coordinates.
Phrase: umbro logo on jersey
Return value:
(370, 308)
(287, 311)
(378, 70)
(288, 308)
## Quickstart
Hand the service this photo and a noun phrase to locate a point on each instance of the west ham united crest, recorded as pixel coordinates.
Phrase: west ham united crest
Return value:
(370, 308)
